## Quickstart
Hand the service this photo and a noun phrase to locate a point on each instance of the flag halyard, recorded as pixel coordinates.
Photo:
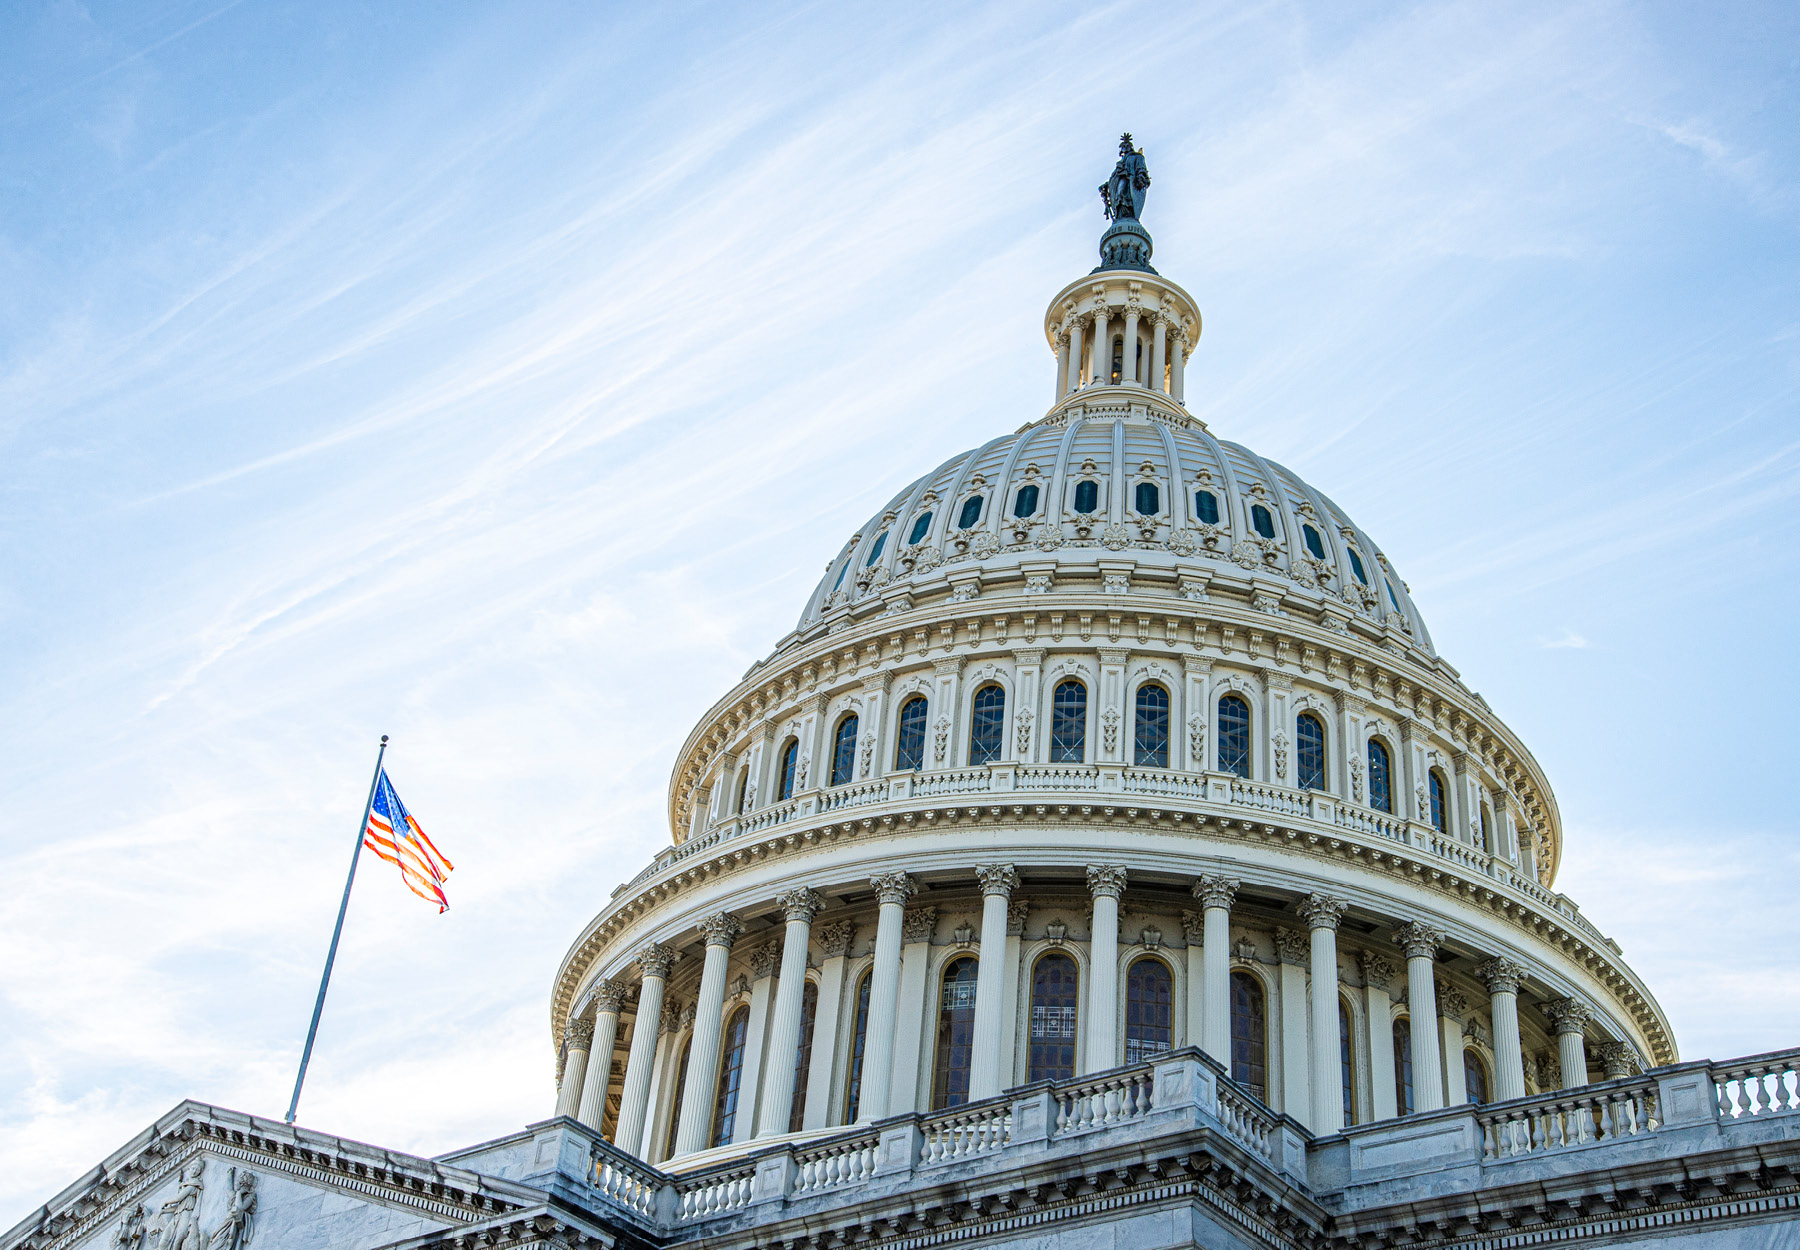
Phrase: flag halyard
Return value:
(393, 834)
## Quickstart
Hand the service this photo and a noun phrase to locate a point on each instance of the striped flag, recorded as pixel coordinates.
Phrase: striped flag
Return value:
(421, 865)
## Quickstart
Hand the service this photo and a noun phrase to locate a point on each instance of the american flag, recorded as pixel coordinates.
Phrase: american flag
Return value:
(421, 865)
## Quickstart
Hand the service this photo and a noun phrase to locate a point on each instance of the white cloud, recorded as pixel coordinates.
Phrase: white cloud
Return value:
(1568, 638)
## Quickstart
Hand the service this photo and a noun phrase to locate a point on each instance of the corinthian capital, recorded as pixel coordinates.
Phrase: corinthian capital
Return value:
(1106, 880)
(1376, 970)
(1216, 891)
(721, 929)
(801, 904)
(654, 960)
(1619, 1059)
(580, 1034)
(996, 879)
(610, 996)
(1501, 975)
(894, 887)
(1418, 940)
(1320, 911)
(834, 939)
(1569, 1015)
(1452, 1003)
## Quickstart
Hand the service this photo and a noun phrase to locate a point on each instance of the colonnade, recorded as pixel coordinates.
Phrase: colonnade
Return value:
(1309, 989)
(1084, 348)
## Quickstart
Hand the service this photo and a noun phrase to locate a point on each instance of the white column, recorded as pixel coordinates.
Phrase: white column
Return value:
(1193, 925)
(609, 997)
(893, 889)
(1503, 976)
(695, 1130)
(1294, 952)
(764, 960)
(1107, 882)
(800, 906)
(915, 1015)
(1076, 348)
(1378, 1010)
(834, 941)
(1102, 347)
(578, 1038)
(1570, 1018)
(1012, 1070)
(997, 881)
(1452, 1006)
(1178, 368)
(1322, 915)
(1215, 895)
(1159, 357)
(1421, 942)
(1062, 365)
(653, 964)
(1129, 373)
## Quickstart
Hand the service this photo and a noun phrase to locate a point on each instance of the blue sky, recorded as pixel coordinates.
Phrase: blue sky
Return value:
(501, 377)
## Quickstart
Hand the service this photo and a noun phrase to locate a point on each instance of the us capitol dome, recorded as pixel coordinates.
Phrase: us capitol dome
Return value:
(1107, 858)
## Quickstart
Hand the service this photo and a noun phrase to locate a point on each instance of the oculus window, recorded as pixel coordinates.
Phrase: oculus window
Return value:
(1356, 567)
(1314, 543)
(875, 551)
(1261, 521)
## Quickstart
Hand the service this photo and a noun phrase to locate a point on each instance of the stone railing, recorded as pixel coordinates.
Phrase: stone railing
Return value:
(715, 1191)
(1163, 782)
(1269, 798)
(625, 1181)
(1761, 1085)
(767, 817)
(839, 1162)
(956, 781)
(1077, 777)
(1572, 1117)
(952, 1135)
(1113, 1099)
(857, 795)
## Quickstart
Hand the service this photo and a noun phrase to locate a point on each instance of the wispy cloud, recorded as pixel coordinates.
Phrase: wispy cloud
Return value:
(1568, 638)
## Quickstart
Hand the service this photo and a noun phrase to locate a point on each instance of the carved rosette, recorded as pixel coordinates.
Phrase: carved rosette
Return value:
(894, 887)
(835, 938)
(996, 879)
(654, 960)
(1106, 880)
(1321, 911)
(801, 904)
(1501, 975)
(1568, 1015)
(1377, 971)
(721, 929)
(918, 924)
(1418, 940)
(1216, 891)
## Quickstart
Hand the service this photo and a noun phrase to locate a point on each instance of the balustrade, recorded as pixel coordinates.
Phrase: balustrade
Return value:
(1363, 820)
(1572, 1118)
(1758, 1086)
(626, 1181)
(769, 816)
(1058, 777)
(837, 1163)
(961, 781)
(854, 796)
(1162, 781)
(1110, 1100)
(1270, 798)
(711, 1193)
(961, 1134)
(1247, 1121)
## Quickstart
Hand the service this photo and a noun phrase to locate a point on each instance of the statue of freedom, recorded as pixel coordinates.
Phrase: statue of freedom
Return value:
(1124, 192)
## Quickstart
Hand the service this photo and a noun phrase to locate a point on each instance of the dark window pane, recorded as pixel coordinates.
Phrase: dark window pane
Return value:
(987, 725)
(1151, 747)
(731, 1076)
(1403, 1070)
(1025, 502)
(1381, 790)
(1068, 724)
(910, 752)
(1392, 597)
(859, 1041)
(955, 1035)
(1261, 521)
(1234, 736)
(1087, 497)
(809, 1014)
(919, 528)
(1051, 1054)
(1207, 507)
(1313, 543)
(1347, 1063)
(1309, 753)
(1440, 816)
(1149, 499)
(875, 551)
(743, 790)
(790, 756)
(971, 512)
(1118, 359)
(1149, 995)
(840, 577)
(1475, 1078)
(843, 752)
(1249, 1035)
(1357, 568)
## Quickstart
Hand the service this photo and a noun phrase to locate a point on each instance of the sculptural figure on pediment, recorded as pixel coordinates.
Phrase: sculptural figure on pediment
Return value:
(240, 1214)
(181, 1214)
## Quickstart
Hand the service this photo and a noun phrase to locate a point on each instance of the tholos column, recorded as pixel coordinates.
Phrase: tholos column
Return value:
(800, 906)
(1378, 974)
(720, 930)
(1322, 915)
(1101, 371)
(1215, 895)
(634, 1100)
(1159, 354)
(1619, 1059)
(1107, 882)
(1076, 348)
(997, 881)
(577, 1039)
(1502, 976)
(1129, 370)
(1177, 368)
(1570, 1018)
(893, 889)
(1421, 942)
(609, 997)
(1062, 364)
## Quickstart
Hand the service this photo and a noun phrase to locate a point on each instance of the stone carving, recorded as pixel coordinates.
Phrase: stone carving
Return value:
(1118, 584)
(1115, 537)
(181, 1214)
(1618, 1059)
(1194, 589)
(765, 959)
(1124, 193)
(1452, 1003)
(721, 929)
(985, 544)
(1039, 584)
(801, 904)
(654, 960)
(1106, 880)
(1477, 1032)
(1501, 975)
(1419, 941)
(867, 755)
(1568, 1015)
(1047, 537)
(926, 558)
(610, 995)
(1280, 743)
(918, 924)
(1022, 732)
(1193, 925)
(235, 1230)
(1309, 572)
(1197, 740)
(1216, 891)
(1292, 946)
(835, 938)
(893, 887)
(130, 1234)
(1150, 938)
(941, 739)
(1183, 542)
(1109, 728)
(1244, 950)
(962, 935)
(1321, 911)
(965, 591)
(580, 1034)
(996, 879)
(1356, 779)
(1423, 800)
(1266, 603)
(1247, 553)
(803, 771)
(1016, 911)
(1377, 971)
(1055, 932)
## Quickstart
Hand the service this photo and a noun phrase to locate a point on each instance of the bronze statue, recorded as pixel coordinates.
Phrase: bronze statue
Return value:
(1124, 192)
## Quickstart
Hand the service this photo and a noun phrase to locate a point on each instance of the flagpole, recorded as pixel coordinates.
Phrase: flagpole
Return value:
(331, 955)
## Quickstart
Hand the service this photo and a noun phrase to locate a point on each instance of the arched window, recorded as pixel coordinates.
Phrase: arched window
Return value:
(1392, 597)
(1149, 499)
(971, 512)
(1149, 998)
(1356, 567)
(859, 1042)
(1087, 497)
(919, 528)
(1314, 543)
(875, 551)
(731, 1076)
(1481, 834)
(1381, 785)
(835, 586)
(790, 758)
(1051, 1056)
(1234, 736)
(909, 752)
(1261, 521)
(843, 752)
(1068, 723)
(987, 725)
(1206, 507)
(1403, 1069)
(743, 790)
(1347, 1062)
(1440, 806)
(1309, 752)
(955, 1035)
(1475, 1079)
(1025, 502)
(1150, 748)
(1249, 1035)
(1118, 359)
(809, 1014)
